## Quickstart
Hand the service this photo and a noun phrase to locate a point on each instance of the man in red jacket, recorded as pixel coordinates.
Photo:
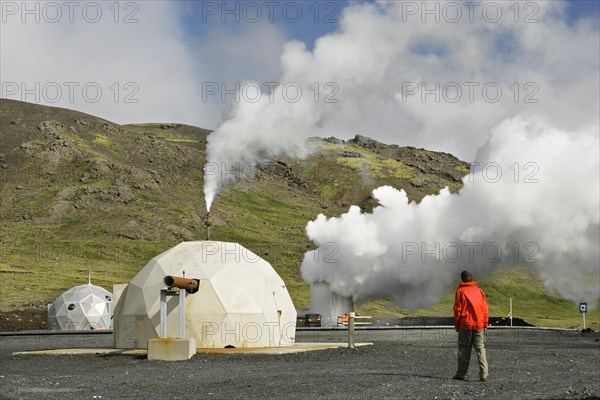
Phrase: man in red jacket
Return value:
(470, 321)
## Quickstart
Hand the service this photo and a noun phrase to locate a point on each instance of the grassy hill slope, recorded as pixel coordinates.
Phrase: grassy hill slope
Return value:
(81, 194)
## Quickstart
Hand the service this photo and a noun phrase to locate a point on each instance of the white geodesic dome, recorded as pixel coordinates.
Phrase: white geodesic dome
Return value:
(82, 307)
(241, 301)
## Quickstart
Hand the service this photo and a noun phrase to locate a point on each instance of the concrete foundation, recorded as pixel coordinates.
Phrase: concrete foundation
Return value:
(170, 349)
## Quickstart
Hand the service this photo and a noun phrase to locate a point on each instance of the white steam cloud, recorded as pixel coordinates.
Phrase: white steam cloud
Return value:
(438, 85)
(531, 199)
(264, 127)
(522, 85)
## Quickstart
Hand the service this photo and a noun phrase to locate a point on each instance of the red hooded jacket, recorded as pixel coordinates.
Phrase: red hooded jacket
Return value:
(470, 307)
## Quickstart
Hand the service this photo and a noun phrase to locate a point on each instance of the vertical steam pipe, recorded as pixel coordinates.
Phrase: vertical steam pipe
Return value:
(351, 317)
(163, 314)
(208, 223)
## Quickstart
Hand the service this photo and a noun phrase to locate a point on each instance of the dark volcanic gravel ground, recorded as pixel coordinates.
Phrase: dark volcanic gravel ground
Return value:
(400, 364)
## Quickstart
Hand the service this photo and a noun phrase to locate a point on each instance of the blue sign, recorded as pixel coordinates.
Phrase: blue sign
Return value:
(583, 308)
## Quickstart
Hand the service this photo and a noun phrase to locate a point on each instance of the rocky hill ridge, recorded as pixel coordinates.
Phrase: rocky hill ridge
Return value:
(81, 193)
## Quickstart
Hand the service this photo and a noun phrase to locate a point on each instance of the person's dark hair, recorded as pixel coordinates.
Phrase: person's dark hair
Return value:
(466, 276)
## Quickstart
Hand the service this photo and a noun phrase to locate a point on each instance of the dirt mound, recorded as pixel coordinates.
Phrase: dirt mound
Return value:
(441, 321)
(497, 321)
(23, 320)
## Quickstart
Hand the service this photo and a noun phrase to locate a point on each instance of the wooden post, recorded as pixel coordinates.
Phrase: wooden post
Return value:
(510, 305)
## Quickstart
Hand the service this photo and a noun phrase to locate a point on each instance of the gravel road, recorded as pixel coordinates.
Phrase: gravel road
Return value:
(524, 364)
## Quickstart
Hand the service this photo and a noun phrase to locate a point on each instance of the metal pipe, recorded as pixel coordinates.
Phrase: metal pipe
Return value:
(181, 314)
(208, 223)
(163, 314)
(351, 330)
(189, 285)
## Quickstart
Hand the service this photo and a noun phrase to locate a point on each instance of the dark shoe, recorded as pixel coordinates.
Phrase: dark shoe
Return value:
(483, 379)
(458, 378)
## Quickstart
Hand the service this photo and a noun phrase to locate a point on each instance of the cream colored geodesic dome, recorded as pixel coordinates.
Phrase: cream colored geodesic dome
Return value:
(83, 307)
(241, 301)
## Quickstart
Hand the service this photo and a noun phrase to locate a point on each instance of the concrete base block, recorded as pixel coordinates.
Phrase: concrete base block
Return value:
(171, 349)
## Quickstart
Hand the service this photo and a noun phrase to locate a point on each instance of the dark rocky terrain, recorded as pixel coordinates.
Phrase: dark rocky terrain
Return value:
(401, 364)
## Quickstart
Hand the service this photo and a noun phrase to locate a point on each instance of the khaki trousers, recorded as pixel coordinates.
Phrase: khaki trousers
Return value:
(466, 340)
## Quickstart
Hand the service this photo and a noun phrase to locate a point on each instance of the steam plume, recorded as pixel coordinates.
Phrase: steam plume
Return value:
(543, 210)
(546, 120)
(357, 80)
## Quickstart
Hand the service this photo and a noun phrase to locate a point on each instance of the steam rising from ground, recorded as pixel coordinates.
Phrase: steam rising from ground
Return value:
(546, 215)
(362, 79)
(261, 127)
(545, 119)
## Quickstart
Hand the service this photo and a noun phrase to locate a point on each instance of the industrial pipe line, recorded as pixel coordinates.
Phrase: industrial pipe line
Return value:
(189, 285)
(302, 329)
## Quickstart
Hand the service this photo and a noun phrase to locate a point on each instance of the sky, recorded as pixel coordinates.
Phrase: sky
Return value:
(182, 62)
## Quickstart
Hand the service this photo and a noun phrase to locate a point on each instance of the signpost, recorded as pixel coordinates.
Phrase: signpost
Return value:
(583, 311)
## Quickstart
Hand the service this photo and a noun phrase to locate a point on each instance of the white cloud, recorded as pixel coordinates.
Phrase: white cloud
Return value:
(475, 74)
(165, 69)
(546, 68)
